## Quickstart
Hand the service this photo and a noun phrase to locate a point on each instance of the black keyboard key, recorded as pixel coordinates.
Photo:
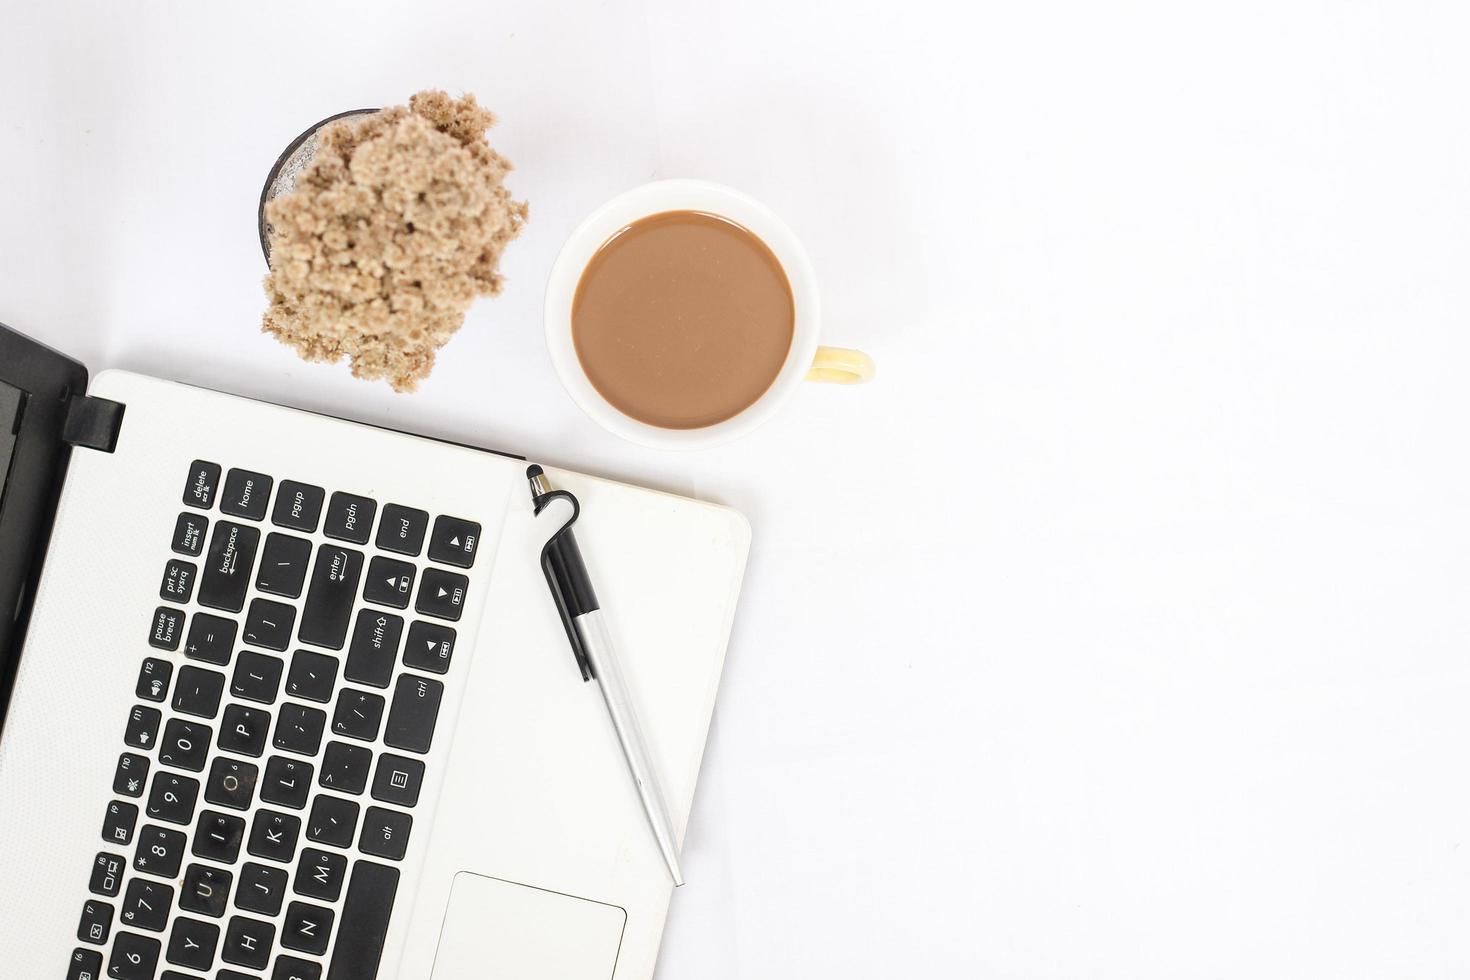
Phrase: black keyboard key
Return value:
(178, 580)
(389, 582)
(185, 745)
(262, 888)
(203, 481)
(146, 905)
(415, 710)
(307, 928)
(160, 851)
(398, 780)
(402, 530)
(85, 964)
(143, 724)
(320, 874)
(211, 639)
(313, 676)
(290, 968)
(273, 836)
(333, 821)
(299, 729)
(176, 975)
(283, 565)
(350, 518)
(246, 494)
(234, 975)
(96, 924)
(287, 782)
(244, 730)
(119, 823)
(358, 714)
(153, 679)
(107, 874)
(248, 942)
(363, 928)
(192, 943)
(134, 957)
(131, 775)
(227, 566)
(442, 594)
(454, 541)
(374, 650)
(198, 691)
(205, 890)
(189, 532)
(218, 837)
(385, 833)
(429, 646)
(168, 628)
(172, 798)
(328, 608)
(269, 624)
(345, 767)
(298, 506)
(257, 677)
(231, 784)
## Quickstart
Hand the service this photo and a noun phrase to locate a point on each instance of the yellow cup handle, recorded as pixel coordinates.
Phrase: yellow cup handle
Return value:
(841, 366)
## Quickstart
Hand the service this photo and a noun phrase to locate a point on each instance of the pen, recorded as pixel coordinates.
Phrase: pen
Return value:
(581, 614)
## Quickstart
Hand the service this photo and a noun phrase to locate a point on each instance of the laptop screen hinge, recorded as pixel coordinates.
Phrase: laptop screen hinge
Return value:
(92, 423)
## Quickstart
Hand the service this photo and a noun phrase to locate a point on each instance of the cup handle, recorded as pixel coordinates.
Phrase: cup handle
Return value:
(841, 366)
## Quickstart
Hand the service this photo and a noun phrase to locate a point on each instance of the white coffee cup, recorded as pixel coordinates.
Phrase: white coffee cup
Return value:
(806, 360)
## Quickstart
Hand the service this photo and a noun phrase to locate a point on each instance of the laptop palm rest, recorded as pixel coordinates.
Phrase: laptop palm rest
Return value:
(500, 930)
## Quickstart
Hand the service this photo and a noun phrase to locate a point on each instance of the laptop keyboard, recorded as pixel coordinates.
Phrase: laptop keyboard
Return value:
(269, 773)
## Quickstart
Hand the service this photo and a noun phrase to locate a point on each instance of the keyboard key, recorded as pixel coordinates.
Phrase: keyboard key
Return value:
(429, 647)
(248, 942)
(273, 836)
(313, 676)
(153, 679)
(107, 874)
(298, 506)
(234, 975)
(262, 888)
(134, 957)
(389, 582)
(146, 905)
(364, 924)
(160, 851)
(307, 928)
(385, 833)
(118, 824)
(203, 480)
(358, 714)
(257, 677)
(131, 775)
(211, 639)
(231, 784)
(350, 518)
(333, 821)
(328, 608)
(227, 566)
(244, 730)
(454, 541)
(176, 975)
(283, 565)
(189, 532)
(402, 530)
(374, 650)
(205, 890)
(299, 729)
(185, 745)
(442, 594)
(398, 780)
(320, 874)
(290, 968)
(96, 924)
(198, 691)
(85, 964)
(218, 837)
(172, 798)
(269, 624)
(287, 782)
(246, 494)
(345, 767)
(142, 730)
(192, 943)
(178, 580)
(415, 710)
(168, 627)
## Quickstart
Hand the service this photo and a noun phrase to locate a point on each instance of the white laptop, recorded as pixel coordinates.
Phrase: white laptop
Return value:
(291, 700)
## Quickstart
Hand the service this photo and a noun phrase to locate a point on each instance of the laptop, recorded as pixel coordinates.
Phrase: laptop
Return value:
(288, 698)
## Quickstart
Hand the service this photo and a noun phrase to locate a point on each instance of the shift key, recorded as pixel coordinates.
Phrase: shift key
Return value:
(227, 567)
(328, 609)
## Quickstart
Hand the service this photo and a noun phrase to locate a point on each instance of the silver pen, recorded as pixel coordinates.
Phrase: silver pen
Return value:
(581, 614)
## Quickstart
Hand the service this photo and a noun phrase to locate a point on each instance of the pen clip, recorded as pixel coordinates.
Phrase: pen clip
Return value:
(551, 557)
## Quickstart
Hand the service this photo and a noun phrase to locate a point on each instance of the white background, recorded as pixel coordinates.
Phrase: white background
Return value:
(1120, 628)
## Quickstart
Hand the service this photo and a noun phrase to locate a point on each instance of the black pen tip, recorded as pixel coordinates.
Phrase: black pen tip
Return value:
(533, 471)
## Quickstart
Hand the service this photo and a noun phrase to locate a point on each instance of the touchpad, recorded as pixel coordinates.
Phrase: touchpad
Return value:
(499, 930)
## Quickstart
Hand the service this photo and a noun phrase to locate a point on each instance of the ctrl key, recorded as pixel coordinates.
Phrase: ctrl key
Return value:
(86, 964)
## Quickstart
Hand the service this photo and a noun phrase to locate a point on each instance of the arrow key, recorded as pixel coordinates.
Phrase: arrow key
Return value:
(389, 582)
(442, 594)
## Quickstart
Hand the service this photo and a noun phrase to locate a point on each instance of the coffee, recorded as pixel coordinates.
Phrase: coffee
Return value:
(683, 319)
